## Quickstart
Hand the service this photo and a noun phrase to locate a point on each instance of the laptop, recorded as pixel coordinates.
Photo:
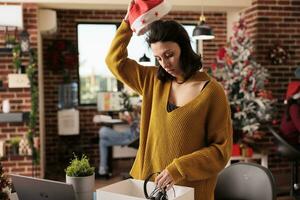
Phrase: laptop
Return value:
(29, 188)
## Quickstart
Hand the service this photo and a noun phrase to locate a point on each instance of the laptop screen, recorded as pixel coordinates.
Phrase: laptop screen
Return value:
(30, 188)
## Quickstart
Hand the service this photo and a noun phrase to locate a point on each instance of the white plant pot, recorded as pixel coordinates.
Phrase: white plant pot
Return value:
(83, 186)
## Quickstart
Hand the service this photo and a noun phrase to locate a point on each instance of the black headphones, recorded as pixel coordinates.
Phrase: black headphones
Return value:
(157, 193)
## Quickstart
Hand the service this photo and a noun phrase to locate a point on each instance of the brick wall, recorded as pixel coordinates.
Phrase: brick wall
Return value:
(280, 15)
(19, 98)
(59, 148)
(274, 22)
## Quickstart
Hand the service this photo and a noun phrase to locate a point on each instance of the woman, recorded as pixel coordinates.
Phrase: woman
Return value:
(185, 130)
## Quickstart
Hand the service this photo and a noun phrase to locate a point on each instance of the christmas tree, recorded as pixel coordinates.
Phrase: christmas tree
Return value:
(244, 83)
(4, 185)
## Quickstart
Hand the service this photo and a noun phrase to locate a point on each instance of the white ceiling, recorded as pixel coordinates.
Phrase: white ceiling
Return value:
(178, 5)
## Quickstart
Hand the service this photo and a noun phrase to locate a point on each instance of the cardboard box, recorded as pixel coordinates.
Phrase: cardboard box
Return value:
(132, 189)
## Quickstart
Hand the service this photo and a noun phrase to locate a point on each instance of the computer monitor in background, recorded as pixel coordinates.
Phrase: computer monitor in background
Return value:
(109, 101)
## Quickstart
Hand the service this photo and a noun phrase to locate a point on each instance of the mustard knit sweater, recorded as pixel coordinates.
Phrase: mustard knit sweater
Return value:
(193, 141)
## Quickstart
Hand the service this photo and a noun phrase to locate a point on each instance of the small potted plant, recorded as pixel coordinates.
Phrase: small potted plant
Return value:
(82, 176)
(10, 41)
(14, 144)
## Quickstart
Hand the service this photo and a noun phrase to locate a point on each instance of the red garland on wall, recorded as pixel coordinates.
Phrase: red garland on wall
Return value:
(62, 55)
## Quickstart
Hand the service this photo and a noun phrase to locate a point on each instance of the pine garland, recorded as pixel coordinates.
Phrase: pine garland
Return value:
(31, 72)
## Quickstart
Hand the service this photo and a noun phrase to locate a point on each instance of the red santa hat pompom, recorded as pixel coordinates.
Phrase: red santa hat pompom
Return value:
(144, 12)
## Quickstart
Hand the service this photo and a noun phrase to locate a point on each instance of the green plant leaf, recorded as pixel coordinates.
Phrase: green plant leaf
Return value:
(79, 167)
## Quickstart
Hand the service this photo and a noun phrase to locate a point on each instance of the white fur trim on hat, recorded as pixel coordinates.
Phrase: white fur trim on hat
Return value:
(150, 16)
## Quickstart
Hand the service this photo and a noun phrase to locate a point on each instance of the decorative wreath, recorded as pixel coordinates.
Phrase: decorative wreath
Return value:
(62, 54)
(278, 55)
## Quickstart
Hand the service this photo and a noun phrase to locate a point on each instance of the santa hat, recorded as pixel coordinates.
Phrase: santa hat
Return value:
(293, 88)
(144, 12)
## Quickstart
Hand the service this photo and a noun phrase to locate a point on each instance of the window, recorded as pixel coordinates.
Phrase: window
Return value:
(93, 43)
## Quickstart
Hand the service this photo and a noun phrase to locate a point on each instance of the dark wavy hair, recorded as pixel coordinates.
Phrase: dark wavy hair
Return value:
(171, 31)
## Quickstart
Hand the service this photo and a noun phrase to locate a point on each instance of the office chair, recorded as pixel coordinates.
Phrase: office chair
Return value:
(292, 153)
(245, 181)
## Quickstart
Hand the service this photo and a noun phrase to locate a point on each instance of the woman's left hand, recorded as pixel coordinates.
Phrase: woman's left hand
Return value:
(164, 180)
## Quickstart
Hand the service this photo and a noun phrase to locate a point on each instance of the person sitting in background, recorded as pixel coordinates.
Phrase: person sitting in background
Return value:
(290, 122)
(109, 137)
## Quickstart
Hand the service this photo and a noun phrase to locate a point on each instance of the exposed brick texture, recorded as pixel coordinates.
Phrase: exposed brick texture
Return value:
(19, 98)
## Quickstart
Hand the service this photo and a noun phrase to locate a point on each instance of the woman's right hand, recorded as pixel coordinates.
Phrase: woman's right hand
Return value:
(128, 10)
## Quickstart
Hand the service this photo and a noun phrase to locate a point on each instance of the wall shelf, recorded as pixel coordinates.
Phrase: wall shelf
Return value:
(5, 51)
(14, 117)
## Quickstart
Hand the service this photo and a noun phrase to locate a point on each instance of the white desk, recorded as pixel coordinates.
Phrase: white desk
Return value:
(263, 158)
